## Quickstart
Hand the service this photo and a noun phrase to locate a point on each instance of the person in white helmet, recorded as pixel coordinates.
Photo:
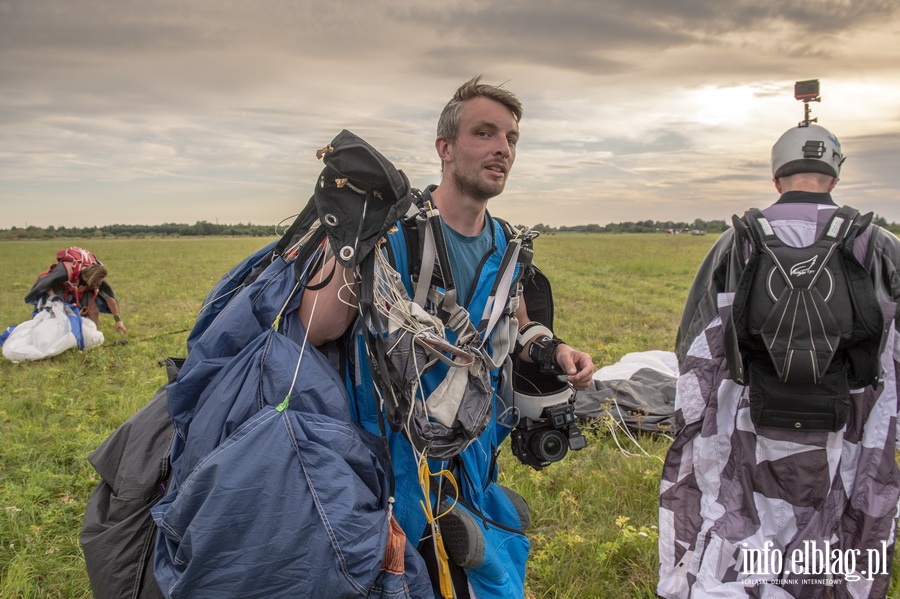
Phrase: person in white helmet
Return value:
(782, 480)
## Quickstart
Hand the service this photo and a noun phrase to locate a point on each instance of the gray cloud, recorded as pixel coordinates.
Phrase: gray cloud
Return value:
(204, 109)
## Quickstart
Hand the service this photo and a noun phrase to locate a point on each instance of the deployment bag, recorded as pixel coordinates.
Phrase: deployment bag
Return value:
(360, 194)
(805, 325)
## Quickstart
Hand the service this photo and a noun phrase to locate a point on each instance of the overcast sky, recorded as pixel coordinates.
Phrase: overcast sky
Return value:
(153, 111)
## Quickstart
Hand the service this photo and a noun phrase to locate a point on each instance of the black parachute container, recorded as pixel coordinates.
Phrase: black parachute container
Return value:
(805, 325)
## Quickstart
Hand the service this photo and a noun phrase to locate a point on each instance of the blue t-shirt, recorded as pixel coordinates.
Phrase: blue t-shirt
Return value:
(466, 254)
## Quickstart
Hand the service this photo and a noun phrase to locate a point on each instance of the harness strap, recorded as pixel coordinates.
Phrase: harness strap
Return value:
(455, 317)
(450, 312)
(501, 287)
(837, 228)
(835, 231)
(426, 272)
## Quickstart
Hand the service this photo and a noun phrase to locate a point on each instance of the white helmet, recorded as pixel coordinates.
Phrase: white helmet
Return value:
(810, 149)
(533, 390)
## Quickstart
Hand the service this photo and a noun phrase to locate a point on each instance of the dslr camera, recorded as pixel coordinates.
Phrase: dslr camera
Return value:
(539, 443)
(547, 427)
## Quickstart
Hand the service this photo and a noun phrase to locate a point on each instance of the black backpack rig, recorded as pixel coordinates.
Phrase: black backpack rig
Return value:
(805, 326)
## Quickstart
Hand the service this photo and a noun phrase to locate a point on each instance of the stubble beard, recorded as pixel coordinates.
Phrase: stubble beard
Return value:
(477, 189)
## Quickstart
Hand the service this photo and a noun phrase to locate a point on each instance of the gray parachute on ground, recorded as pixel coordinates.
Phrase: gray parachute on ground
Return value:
(638, 392)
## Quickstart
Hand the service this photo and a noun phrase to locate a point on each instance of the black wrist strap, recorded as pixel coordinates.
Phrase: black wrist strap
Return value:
(529, 331)
(543, 352)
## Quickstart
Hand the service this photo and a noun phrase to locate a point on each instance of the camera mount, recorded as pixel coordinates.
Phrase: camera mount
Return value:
(807, 91)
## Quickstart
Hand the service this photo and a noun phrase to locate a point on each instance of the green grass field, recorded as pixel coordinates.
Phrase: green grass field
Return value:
(594, 529)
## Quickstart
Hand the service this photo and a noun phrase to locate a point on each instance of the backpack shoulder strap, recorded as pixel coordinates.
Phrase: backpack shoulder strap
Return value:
(840, 224)
(856, 226)
(759, 227)
(844, 222)
(508, 230)
(412, 228)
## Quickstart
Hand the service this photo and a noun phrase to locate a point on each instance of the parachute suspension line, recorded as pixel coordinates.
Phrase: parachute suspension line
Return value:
(277, 322)
(612, 424)
(287, 252)
(396, 308)
(217, 298)
(410, 323)
(445, 581)
(282, 221)
(287, 398)
(415, 395)
(349, 287)
(389, 300)
(418, 390)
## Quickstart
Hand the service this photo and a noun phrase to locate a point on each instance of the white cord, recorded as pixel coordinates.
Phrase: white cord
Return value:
(617, 424)
(215, 299)
(311, 315)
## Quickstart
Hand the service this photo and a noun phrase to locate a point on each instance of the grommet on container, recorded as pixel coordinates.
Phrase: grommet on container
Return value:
(330, 220)
(347, 253)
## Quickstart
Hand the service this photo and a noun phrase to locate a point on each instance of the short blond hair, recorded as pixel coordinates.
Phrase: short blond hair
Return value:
(448, 123)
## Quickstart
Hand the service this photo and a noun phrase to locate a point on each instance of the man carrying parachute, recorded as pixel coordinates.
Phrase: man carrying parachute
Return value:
(340, 411)
(478, 305)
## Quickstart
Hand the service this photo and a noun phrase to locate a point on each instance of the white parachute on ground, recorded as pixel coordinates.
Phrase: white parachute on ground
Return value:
(55, 328)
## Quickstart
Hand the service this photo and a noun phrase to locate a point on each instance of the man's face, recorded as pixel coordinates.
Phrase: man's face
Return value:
(479, 160)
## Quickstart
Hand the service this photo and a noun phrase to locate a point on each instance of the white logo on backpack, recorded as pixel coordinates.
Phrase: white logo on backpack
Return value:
(807, 267)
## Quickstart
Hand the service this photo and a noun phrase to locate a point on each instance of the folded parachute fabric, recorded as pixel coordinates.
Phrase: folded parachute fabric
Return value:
(118, 531)
(260, 375)
(222, 293)
(274, 492)
(249, 313)
(663, 362)
(54, 329)
(290, 504)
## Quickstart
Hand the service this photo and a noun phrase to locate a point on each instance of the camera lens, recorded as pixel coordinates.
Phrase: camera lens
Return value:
(550, 445)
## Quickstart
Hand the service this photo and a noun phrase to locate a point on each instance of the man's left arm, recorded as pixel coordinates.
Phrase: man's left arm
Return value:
(578, 365)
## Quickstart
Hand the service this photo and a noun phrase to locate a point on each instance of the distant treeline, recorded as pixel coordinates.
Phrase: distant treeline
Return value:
(200, 228)
(203, 228)
(644, 226)
(696, 227)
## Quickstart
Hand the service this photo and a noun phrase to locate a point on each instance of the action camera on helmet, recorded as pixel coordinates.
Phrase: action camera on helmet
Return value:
(807, 148)
(807, 91)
